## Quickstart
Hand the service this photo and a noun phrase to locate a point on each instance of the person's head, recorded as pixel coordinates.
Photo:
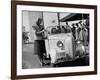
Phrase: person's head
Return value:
(66, 23)
(39, 21)
(80, 23)
(77, 25)
(73, 25)
(63, 27)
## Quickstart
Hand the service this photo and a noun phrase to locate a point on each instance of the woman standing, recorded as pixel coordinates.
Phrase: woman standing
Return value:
(39, 42)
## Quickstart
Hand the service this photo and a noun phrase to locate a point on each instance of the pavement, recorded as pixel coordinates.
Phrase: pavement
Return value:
(29, 59)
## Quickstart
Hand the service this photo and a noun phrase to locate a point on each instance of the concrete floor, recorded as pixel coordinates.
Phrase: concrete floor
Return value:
(29, 58)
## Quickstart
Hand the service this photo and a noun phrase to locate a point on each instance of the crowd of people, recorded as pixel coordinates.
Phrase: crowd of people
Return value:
(80, 31)
(61, 29)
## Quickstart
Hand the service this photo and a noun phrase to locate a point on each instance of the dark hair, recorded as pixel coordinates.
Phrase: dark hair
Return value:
(80, 21)
(67, 23)
(39, 21)
(73, 24)
(77, 24)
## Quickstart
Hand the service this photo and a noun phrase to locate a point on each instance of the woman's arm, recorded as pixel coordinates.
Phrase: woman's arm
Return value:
(39, 32)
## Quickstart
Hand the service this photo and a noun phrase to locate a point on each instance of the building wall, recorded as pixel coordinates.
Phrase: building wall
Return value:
(33, 17)
(25, 21)
(50, 19)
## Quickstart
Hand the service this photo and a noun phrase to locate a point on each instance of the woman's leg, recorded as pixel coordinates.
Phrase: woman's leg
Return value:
(42, 50)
